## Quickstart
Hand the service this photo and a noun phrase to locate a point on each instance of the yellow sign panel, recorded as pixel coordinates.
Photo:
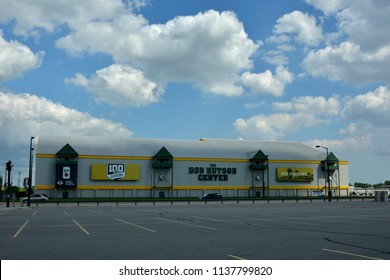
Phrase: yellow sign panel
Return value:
(115, 171)
(294, 174)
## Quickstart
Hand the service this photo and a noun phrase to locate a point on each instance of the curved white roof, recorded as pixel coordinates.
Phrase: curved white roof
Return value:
(204, 148)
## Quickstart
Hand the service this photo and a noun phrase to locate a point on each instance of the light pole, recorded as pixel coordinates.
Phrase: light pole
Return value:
(30, 173)
(327, 171)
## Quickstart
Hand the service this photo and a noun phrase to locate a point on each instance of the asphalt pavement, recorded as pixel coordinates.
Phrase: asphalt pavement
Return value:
(318, 230)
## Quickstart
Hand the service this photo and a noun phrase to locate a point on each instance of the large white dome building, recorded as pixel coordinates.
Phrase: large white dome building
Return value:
(85, 167)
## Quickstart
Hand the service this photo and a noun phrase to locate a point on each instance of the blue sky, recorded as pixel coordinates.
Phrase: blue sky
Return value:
(312, 71)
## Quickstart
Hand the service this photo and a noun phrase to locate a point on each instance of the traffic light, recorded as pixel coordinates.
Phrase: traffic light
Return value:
(25, 182)
(8, 166)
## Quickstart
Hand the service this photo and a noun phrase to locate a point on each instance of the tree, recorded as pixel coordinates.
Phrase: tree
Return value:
(362, 185)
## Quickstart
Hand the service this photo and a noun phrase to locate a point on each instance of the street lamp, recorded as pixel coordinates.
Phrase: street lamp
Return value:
(327, 171)
(30, 173)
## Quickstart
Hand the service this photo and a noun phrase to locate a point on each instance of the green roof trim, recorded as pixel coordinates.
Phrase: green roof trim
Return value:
(67, 151)
(163, 159)
(332, 162)
(259, 161)
(259, 156)
(332, 158)
(163, 154)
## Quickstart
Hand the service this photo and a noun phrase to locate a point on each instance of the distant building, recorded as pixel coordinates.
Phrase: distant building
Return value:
(85, 167)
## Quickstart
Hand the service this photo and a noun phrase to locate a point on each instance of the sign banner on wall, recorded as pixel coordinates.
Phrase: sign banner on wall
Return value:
(115, 172)
(66, 174)
(294, 174)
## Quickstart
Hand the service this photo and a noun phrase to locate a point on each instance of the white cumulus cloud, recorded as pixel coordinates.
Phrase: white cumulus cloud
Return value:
(275, 126)
(309, 104)
(362, 55)
(119, 85)
(365, 23)
(16, 58)
(25, 115)
(31, 17)
(347, 62)
(363, 120)
(298, 114)
(209, 49)
(267, 82)
(300, 26)
(329, 6)
(372, 107)
(292, 32)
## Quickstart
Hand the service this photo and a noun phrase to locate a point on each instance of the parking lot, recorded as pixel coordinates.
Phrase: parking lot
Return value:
(320, 230)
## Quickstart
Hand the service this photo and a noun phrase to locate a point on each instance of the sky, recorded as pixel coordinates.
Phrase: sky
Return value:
(310, 71)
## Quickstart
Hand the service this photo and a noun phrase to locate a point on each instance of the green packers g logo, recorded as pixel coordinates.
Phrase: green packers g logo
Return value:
(116, 171)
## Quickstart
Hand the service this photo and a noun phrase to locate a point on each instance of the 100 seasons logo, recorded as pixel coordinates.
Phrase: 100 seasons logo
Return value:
(116, 171)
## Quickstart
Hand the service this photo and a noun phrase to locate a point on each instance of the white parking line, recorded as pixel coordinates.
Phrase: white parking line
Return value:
(277, 220)
(83, 229)
(96, 212)
(235, 257)
(214, 220)
(233, 222)
(134, 225)
(182, 223)
(351, 254)
(21, 228)
(337, 219)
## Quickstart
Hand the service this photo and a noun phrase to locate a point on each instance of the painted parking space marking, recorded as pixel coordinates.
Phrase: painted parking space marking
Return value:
(122, 211)
(21, 228)
(96, 212)
(134, 225)
(257, 225)
(334, 218)
(350, 254)
(233, 222)
(236, 257)
(327, 218)
(83, 229)
(214, 220)
(277, 220)
(183, 223)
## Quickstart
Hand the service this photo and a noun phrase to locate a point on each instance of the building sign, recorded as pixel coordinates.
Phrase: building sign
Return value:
(66, 174)
(213, 172)
(294, 174)
(115, 172)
